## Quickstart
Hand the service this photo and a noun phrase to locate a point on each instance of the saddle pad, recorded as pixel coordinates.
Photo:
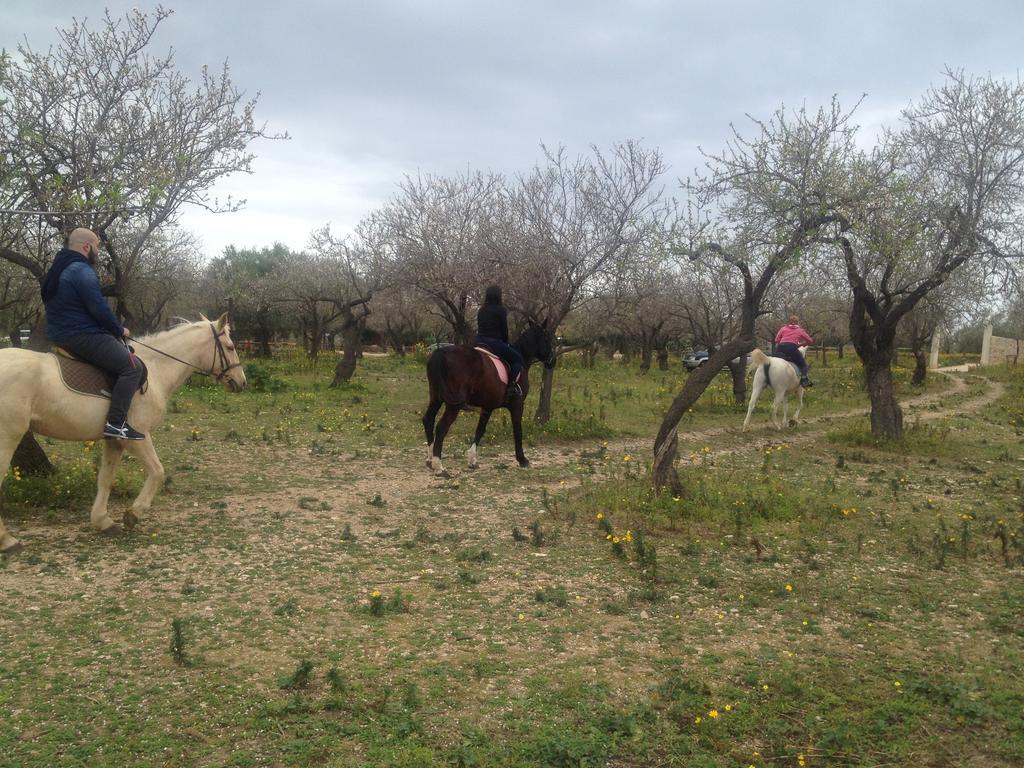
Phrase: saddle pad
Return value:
(86, 379)
(499, 364)
(83, 378)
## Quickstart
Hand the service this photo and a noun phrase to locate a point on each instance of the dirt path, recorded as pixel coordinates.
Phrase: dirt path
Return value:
(268, 575)
(918, 408)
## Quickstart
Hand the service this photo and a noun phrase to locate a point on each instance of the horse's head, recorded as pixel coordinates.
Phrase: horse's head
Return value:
(224, 363)
(541, 343)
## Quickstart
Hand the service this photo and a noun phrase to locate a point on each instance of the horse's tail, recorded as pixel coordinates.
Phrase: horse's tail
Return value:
(437, 376)
(758, 358)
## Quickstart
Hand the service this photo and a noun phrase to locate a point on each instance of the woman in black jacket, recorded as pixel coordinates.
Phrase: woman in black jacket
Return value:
(492, 332)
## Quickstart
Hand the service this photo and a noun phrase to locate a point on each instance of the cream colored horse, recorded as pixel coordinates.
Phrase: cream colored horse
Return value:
(783, 377)
(33, 398)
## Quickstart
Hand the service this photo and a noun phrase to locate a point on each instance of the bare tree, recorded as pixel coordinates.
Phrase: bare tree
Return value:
(348, 281)
(167, 270)
(565, 222)
(646, 292)
(99, 133)
(20, 305)
(440, 231)
(761, 206)
(946, 191)
(246, 277)
(302, 289)
(400, 317)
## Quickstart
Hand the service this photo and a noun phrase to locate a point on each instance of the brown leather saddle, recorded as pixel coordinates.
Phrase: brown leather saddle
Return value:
(86, 379)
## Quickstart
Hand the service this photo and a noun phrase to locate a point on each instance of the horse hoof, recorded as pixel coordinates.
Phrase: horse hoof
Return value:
(112, 531)
(130, 520)
(13, 547)
(524, 463)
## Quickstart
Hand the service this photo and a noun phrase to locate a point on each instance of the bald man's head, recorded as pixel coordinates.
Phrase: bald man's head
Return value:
(85, 242)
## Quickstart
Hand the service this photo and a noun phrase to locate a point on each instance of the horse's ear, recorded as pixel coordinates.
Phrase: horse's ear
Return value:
(544, 325)
(222, 322)
(204, 318)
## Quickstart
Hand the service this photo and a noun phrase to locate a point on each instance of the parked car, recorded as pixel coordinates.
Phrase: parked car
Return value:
(694, 360)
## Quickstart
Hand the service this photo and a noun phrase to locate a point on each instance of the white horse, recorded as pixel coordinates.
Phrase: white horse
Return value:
(783, 377)
(33, 398)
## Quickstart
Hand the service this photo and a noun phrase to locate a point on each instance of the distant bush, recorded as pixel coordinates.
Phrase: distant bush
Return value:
(260, 379)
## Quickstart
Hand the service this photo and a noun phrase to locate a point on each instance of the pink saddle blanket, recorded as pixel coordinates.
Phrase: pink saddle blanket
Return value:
(499, 365)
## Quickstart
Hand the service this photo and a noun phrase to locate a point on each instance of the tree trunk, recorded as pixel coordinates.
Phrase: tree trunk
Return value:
(839, 351)
(663, 358)
(16, 338)
(589, 355)
(394, 337)
(920, 368)
(646, 356)
(875, 342)
(352, 339)
(739, 380)
(543, 414)
(316, 338)
(263, 340)
(663, 471)
(886, 414)
(30, 458)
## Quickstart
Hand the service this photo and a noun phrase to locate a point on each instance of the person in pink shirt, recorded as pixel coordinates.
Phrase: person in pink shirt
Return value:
(788, 341)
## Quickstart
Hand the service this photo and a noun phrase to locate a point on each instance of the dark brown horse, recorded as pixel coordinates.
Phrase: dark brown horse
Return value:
(461, 377)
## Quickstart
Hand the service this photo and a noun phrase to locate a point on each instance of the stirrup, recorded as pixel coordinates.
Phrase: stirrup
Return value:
(514, 390)
(806, 383)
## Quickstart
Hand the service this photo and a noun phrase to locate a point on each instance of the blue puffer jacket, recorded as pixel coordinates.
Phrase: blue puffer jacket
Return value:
(78, 308)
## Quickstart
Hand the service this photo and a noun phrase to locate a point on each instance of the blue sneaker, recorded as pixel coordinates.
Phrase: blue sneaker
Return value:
(124, 432)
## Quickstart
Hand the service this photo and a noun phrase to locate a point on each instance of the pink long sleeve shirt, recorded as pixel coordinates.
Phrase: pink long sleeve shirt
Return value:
(793, 334)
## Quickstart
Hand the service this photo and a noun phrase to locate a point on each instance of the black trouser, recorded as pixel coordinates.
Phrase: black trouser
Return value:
(106, 352)
(791, 352)
(506, 352)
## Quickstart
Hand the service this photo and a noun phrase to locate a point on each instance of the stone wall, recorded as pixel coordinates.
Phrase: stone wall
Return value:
(1005, 350)
(996, 350)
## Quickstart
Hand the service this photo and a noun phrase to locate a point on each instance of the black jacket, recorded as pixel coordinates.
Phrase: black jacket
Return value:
(492, 321)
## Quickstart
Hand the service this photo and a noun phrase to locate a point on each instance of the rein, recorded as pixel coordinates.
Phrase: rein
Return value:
(220, 356)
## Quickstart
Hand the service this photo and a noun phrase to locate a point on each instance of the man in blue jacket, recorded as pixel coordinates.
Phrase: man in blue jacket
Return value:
(79, 319)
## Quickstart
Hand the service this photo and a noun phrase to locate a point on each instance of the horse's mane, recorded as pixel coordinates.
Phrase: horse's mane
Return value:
(180, 325)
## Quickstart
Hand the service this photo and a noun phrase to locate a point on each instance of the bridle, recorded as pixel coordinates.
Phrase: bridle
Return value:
(220, 356)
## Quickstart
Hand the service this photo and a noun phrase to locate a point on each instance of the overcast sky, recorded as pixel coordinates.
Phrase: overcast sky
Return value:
(373, 90)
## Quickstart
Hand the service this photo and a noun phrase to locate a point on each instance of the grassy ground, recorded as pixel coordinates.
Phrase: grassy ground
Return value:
(306, 593)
